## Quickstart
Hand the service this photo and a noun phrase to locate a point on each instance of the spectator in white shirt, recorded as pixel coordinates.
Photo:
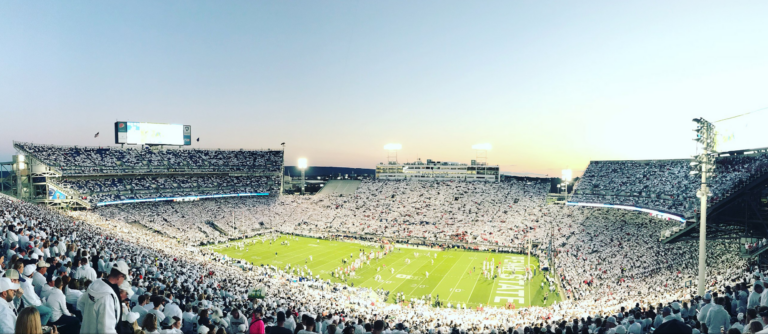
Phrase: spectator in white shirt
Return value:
(38, 278)
(140, 309)
(8, 290)
(29, 296)
(48, 287)
(73, 292)
(85, 271)
(60, 315)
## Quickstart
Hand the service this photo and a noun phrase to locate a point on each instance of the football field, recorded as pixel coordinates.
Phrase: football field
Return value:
(455, 276)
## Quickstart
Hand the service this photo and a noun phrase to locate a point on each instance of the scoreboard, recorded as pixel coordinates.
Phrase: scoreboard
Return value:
(139, 133)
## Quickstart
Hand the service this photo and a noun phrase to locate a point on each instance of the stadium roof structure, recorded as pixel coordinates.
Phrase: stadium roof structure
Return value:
(741, 214)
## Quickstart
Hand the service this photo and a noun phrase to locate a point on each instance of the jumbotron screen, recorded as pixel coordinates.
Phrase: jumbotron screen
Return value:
(139, 133)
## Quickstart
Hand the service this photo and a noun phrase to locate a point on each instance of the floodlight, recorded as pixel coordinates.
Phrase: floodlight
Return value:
(20, 158)
(22, 165)
(302, 163)
(567, 174)
(393, 146)
(485, 146)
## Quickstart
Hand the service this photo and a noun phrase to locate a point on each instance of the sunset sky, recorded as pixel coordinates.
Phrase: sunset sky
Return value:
(550, 85)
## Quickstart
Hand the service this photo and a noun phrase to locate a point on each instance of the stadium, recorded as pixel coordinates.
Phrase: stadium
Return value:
(433, 246)
(498, 167)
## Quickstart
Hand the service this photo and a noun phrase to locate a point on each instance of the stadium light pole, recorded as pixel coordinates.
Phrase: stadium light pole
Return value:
(567, 176)
(302, 167)
(392, 149)
(704, 164)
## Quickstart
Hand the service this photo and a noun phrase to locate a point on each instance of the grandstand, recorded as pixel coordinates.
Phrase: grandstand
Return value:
(87, 177)
(157, 206)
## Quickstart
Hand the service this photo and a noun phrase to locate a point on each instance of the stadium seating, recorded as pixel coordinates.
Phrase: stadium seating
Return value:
(664, 185)
(128, 188)
(608, 260)
(73, 161)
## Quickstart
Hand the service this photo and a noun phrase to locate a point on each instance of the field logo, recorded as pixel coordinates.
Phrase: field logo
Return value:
(511, 285)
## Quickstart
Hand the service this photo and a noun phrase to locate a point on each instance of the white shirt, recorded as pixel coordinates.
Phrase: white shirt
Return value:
(172, 310)
(7, 318)
(159, 315)
(38, 281)
(141, 311)
(58, 304)
(46, 291)
(30, 297)
(73, 295)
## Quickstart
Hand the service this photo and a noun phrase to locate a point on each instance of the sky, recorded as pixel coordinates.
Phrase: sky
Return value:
(551, 85)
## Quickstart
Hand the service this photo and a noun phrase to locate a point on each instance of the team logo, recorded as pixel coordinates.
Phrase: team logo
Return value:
(121, 125)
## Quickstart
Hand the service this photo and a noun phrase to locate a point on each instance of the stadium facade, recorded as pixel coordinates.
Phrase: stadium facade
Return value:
(437, 171)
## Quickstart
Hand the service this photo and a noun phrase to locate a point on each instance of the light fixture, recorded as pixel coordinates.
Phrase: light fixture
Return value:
(484, 146)
(393, 146)
(302, 163)
(567, 174)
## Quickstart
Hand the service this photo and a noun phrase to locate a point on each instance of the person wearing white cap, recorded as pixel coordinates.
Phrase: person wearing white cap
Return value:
(100, 305)
(38, 277)
(7, 313)
(29, 296)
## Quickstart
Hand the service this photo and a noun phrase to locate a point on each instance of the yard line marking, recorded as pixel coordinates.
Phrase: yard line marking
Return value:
(459, 280)
(473, 288)
(446, 274)
(422, 281)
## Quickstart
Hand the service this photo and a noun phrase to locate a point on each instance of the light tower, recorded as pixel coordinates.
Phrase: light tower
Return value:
(481, 158)
(567, 177)
(481, 152)
(704, 163)
(302, 167)
(392, 149)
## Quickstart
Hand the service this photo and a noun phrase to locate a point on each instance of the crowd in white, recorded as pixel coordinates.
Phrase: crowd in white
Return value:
(608, 260)
(73, 160)
(489, 213)
(126, 188)
(665, 185)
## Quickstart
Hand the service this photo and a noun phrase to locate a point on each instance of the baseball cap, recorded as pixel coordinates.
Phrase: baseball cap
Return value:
(122, 267)
(29, 270)
(12, 274)
(127, 288)
(6, 284)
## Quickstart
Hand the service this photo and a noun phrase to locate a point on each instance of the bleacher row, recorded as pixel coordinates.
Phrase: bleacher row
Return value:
(127, 188)
(665, 185)
(73, 160)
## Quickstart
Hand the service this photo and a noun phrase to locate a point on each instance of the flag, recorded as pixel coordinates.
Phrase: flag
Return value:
(283, 143)
(96, 135)
(198, 139)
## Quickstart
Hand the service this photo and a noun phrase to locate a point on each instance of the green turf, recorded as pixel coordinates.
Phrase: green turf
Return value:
(449, 276)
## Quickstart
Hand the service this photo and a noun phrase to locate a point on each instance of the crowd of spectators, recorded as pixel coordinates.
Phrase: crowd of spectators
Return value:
(474, 213)
(665, 185)
(73, 160)
(99, 190)
(617, 280)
